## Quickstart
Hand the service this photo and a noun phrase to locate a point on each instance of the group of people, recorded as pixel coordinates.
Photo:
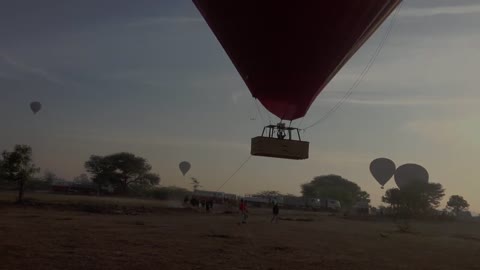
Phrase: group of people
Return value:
(244, 211)
(194, 202)
(208, 204)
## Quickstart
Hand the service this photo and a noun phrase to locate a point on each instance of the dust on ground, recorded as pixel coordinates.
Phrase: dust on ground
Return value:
(61, 238)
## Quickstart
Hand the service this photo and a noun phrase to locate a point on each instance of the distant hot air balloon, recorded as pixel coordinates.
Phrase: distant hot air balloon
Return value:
(288, 51)
(35, 107)
(382, 170)
(184, 167)
(410, 173)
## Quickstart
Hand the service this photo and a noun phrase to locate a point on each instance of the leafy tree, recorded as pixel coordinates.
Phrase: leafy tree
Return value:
(393, 197)
(422, 197)
(335, 187)
(458, 204)
(101, 171)
(363, 196)
(415, 199)
(121, 170)
(18, 167)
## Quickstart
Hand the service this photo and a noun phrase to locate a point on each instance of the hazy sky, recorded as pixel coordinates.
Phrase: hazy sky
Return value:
(149, 77)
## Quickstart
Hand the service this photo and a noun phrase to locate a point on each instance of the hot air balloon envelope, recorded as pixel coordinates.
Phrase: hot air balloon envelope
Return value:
(184, 167)
(382, 170)
(287, 51)
(410, 173)
(35, 106)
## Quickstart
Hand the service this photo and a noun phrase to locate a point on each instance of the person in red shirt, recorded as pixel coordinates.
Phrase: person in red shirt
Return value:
(243, 211)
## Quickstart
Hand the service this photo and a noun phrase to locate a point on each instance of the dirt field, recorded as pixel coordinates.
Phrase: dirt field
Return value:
(45, 237)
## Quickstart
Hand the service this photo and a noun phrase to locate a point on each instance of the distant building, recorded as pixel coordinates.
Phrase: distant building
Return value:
(79, 188)
(362, 208)
(217, 197)
(257, 201)
(316, 204)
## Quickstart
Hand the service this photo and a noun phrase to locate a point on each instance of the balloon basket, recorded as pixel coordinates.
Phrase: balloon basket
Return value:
(277, 141)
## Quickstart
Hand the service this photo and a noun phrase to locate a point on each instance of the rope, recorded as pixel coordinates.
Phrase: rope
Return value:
(266, 111)
(231, 176)
(259, 111)
(362, 75)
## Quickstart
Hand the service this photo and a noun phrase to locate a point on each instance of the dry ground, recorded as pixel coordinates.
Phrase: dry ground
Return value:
(51, 237)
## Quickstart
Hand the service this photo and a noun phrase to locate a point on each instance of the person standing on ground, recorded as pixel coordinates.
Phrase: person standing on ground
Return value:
(243, 211)
(276, 210)
(209, 205)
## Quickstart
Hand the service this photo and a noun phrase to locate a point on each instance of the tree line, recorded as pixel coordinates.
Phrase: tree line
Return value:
(126, 173)
(121, 171)
(421, 199)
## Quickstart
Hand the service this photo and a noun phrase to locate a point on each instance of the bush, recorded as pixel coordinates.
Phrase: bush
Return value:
(170, 193)
(37, 184)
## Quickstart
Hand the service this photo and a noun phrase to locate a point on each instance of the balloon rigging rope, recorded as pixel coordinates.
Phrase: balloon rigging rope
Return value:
(231, 176)
(259, 107)
(362, 75)
(259, 111)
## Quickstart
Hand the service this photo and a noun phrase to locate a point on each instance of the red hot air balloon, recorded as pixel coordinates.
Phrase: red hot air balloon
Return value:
(287, 51)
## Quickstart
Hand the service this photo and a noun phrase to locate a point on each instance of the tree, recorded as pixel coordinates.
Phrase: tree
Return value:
(50, 177)
(18, 167)
(195, 183)
(101, 171)
(415, 199)
(422, 197)
(335, 187)
(393, 197)
(363, 196)
(170, 193)
(82, 179)
(121, 170)
(458, 204)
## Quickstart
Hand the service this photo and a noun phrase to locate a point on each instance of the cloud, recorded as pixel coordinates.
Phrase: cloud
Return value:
(413, 101)
(459, 133)
(154, 141)
(448, 10)
(441, 132)
(165, 20)
(24, 68)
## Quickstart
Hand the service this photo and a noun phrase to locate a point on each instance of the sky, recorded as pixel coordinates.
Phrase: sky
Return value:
(150, 78)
